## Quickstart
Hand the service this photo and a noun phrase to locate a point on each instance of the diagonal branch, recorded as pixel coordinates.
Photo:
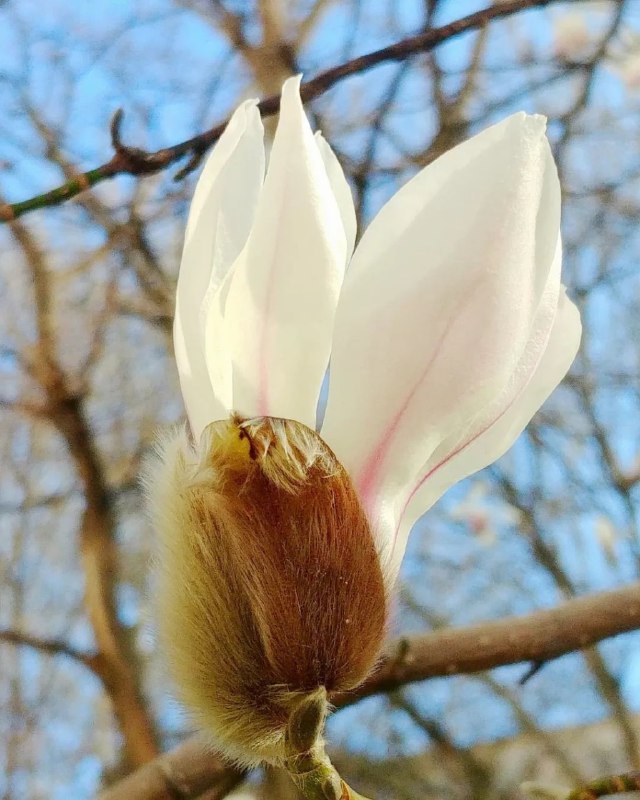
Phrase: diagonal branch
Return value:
(50, 647)
(536, 637)
(128, 160)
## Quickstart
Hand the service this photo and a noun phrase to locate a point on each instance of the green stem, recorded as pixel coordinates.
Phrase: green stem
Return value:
(307, 762)
(67, 191)
(610, 784)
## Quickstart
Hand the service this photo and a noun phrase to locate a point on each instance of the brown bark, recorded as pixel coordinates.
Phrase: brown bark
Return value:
(134, 161)
(536, 638)
(63, 407)
(188, 771)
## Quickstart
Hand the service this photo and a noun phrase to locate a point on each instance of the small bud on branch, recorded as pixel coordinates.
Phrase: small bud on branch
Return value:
(607, 785)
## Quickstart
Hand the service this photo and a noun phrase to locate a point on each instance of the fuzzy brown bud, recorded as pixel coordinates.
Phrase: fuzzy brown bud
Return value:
(269, 581)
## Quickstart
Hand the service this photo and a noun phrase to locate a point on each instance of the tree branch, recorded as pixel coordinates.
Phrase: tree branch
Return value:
(187, 772)
(50, 647)
(536, 637)
(128, 160)
(98, 552)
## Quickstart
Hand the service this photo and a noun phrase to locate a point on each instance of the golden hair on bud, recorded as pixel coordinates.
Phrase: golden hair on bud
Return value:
(269, 581)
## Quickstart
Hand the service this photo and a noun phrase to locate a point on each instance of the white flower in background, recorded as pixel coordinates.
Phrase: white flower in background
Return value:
(571, 36)
(481, 516)
(446, 329)
(625, 63)
(577, 33)
(607, 535)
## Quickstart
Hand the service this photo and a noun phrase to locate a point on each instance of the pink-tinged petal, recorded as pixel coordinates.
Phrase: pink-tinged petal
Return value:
(279, 310)
(341, 191)
(220, 219)
(439, 305)
(494, 431)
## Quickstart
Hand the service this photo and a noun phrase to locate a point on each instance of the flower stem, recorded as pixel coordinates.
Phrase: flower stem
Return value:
(307, 762)
(610, 784)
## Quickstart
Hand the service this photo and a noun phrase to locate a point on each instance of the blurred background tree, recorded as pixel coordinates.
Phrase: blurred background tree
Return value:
(87, 378)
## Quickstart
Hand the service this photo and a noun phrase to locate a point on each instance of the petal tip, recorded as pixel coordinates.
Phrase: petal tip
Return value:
(521, 127)
(291, 87)
(291, 108)
(529, 125)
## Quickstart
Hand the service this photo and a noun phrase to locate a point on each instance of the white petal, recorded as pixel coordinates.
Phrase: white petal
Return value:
(219, 222)
(495, 431)
(279, 310)
(341, 191)
(217, 352)
(438, 305)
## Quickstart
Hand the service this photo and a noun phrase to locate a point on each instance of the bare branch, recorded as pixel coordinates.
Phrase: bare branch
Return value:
(186, 772)
(540, 636)
(97, 547)
(134, 161)
(50, 647)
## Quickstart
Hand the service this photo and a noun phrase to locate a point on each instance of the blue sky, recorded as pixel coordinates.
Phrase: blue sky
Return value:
(80, 61)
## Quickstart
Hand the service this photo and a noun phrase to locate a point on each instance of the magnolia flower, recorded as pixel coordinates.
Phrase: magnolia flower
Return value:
(626, 66)
(445, 330)
(571, 36)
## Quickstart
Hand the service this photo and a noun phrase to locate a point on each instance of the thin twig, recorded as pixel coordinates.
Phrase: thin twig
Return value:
(128, 160)
(608, 785)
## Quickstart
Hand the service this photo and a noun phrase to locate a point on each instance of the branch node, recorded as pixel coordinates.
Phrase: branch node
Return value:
(607, 785)
(115, 127)
(533, 669)
(7, 214)
(133, 160)
(193, 163)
